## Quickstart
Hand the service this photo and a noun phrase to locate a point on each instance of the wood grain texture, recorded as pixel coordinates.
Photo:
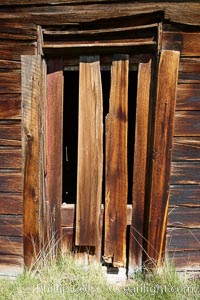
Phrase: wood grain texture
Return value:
(13, 50)
(187, 123)
(162, 145)
(183, 239)
(189, 69)
(90, 153)
(116, 164)
(184, 260)
(186, 149)
(184, 217)
(185, 42)
(11, 265)
(10, 106)
(140, 164)
(188, 97)
(10, 133)
(31, 77)
(187, 13)
(185, 195)
(11, 225)
(10, 82)
(185, 173)
(11, 182)
(68, 215)
(10, 158)
(54, 132)
(11, 245)
(13, 30)
(11, 204)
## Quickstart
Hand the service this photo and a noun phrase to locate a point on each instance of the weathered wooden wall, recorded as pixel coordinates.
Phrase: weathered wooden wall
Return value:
(184, 206)
(18, 36)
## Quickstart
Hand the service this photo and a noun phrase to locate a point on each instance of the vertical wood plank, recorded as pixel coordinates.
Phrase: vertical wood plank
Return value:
(31, 76)
(116, 164)
(54, 135)
(90, 153)
(140, 165)
(162, 152)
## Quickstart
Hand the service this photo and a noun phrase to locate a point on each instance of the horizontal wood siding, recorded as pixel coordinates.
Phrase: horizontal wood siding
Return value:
(184, 205)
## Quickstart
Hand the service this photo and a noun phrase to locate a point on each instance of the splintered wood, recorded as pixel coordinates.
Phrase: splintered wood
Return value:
(116, 164)
(90, 153)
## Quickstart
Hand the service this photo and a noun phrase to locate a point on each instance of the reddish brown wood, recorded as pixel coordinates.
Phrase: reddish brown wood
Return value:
(10, 158)
(11, 182)
(116, 164)
(10, 133)
(10, 82)
(189, 69)
(188, 97)
(11, 204)
(140, 164)
(90, 153)
(185, 42)
(11, 265)
(163, 133)
(187, 123)
(13, 50)
(10, 106)
(54, 136)
(68, 215)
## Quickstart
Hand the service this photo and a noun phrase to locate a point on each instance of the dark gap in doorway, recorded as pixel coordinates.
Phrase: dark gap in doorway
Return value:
(70, 136)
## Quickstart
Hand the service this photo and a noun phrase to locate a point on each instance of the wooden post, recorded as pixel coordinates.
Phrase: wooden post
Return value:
(162, 152)
(117, 164)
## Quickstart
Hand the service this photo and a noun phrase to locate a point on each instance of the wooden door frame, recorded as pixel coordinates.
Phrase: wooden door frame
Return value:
(36, 228)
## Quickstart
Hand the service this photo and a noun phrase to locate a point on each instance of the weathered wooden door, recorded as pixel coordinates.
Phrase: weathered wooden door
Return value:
(102, 212)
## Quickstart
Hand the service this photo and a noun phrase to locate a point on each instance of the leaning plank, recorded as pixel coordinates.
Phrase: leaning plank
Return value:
(163, 134)
(90, 153)
(116, 178)
(140, 164)
(31, 70)
(54, 132)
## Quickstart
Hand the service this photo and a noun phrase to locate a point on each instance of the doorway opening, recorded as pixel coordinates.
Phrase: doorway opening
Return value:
(70, 130)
